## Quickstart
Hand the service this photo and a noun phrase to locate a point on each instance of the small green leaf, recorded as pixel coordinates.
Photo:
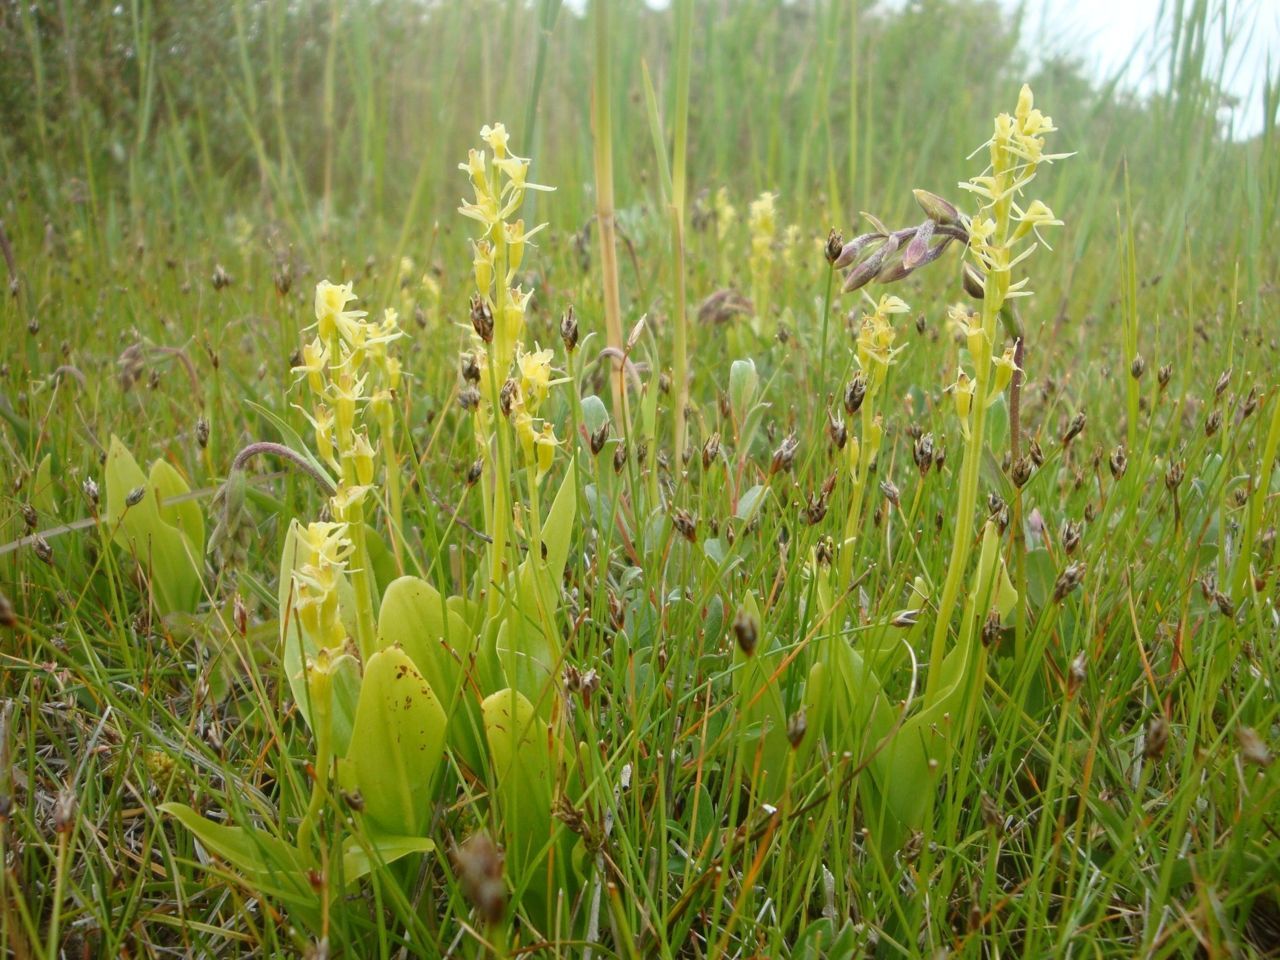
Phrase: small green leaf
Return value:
(359, 859)
(251, 851)
(743, 381)
(594, 414)
(168, 542)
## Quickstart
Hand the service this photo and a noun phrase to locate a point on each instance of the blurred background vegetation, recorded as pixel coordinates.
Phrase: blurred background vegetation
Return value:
(136, 120)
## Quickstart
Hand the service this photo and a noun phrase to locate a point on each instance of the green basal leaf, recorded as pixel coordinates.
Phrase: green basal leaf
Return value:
(525, 758)
(251, 851)
(168, 542)
(417, 619)
(397, 744)
(361, 855)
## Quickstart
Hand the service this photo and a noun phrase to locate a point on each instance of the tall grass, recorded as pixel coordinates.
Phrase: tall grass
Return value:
(1115, 793)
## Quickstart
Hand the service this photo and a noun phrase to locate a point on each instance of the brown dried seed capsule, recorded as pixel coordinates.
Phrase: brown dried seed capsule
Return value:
(135, 496)
(1222, 383)
(202, 432)
(620, 457)
(815, 508)
(1157, 738)
(922, 453)
(939, 458)
(469, 366)
(1164, 375)
(835, 245)
(991, 629)
(508, 396)
(240, 615)
(1250, 402)
(1174, 474)
(1070, 536)
(1036, 453)
(221, 279)
(8, 616)
(1021, 472)
(797, 724)
(1213, 422)
(785, 455)
(43, 552)
(905, 618)
(1073, 428)
(836, 430)
(685, 524)
(1076, 674)
(1224, 604)
(482, 318)
(711, 451)
(824, 551)
(29, 516)
(891, 492)
(599, 438)
(354, 800)
(478, 863)
(469, 398)
(1138, 367)
(1252, 748)
(1118, 462)
(474, 471)
(1067, 581)
(569, 330)
(854, 393)
(64, 811)
(746, 632)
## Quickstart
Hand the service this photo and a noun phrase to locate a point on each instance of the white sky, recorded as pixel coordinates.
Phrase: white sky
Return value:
(1110, 33)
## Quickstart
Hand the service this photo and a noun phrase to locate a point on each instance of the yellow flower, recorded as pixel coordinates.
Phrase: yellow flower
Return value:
(516, 238)
(890, 304)
(1005, 369)
(346, 497)
(725, 214)
(962, 393)
(496, 137)
(523, 424)
(331, 312)
(1036, 215)
(362, 454)
(475, 169)
(315, 357)
(546, 444)
(324, 544)
(324, 422)
(853, 451)
(535, 376)
(762, 222)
